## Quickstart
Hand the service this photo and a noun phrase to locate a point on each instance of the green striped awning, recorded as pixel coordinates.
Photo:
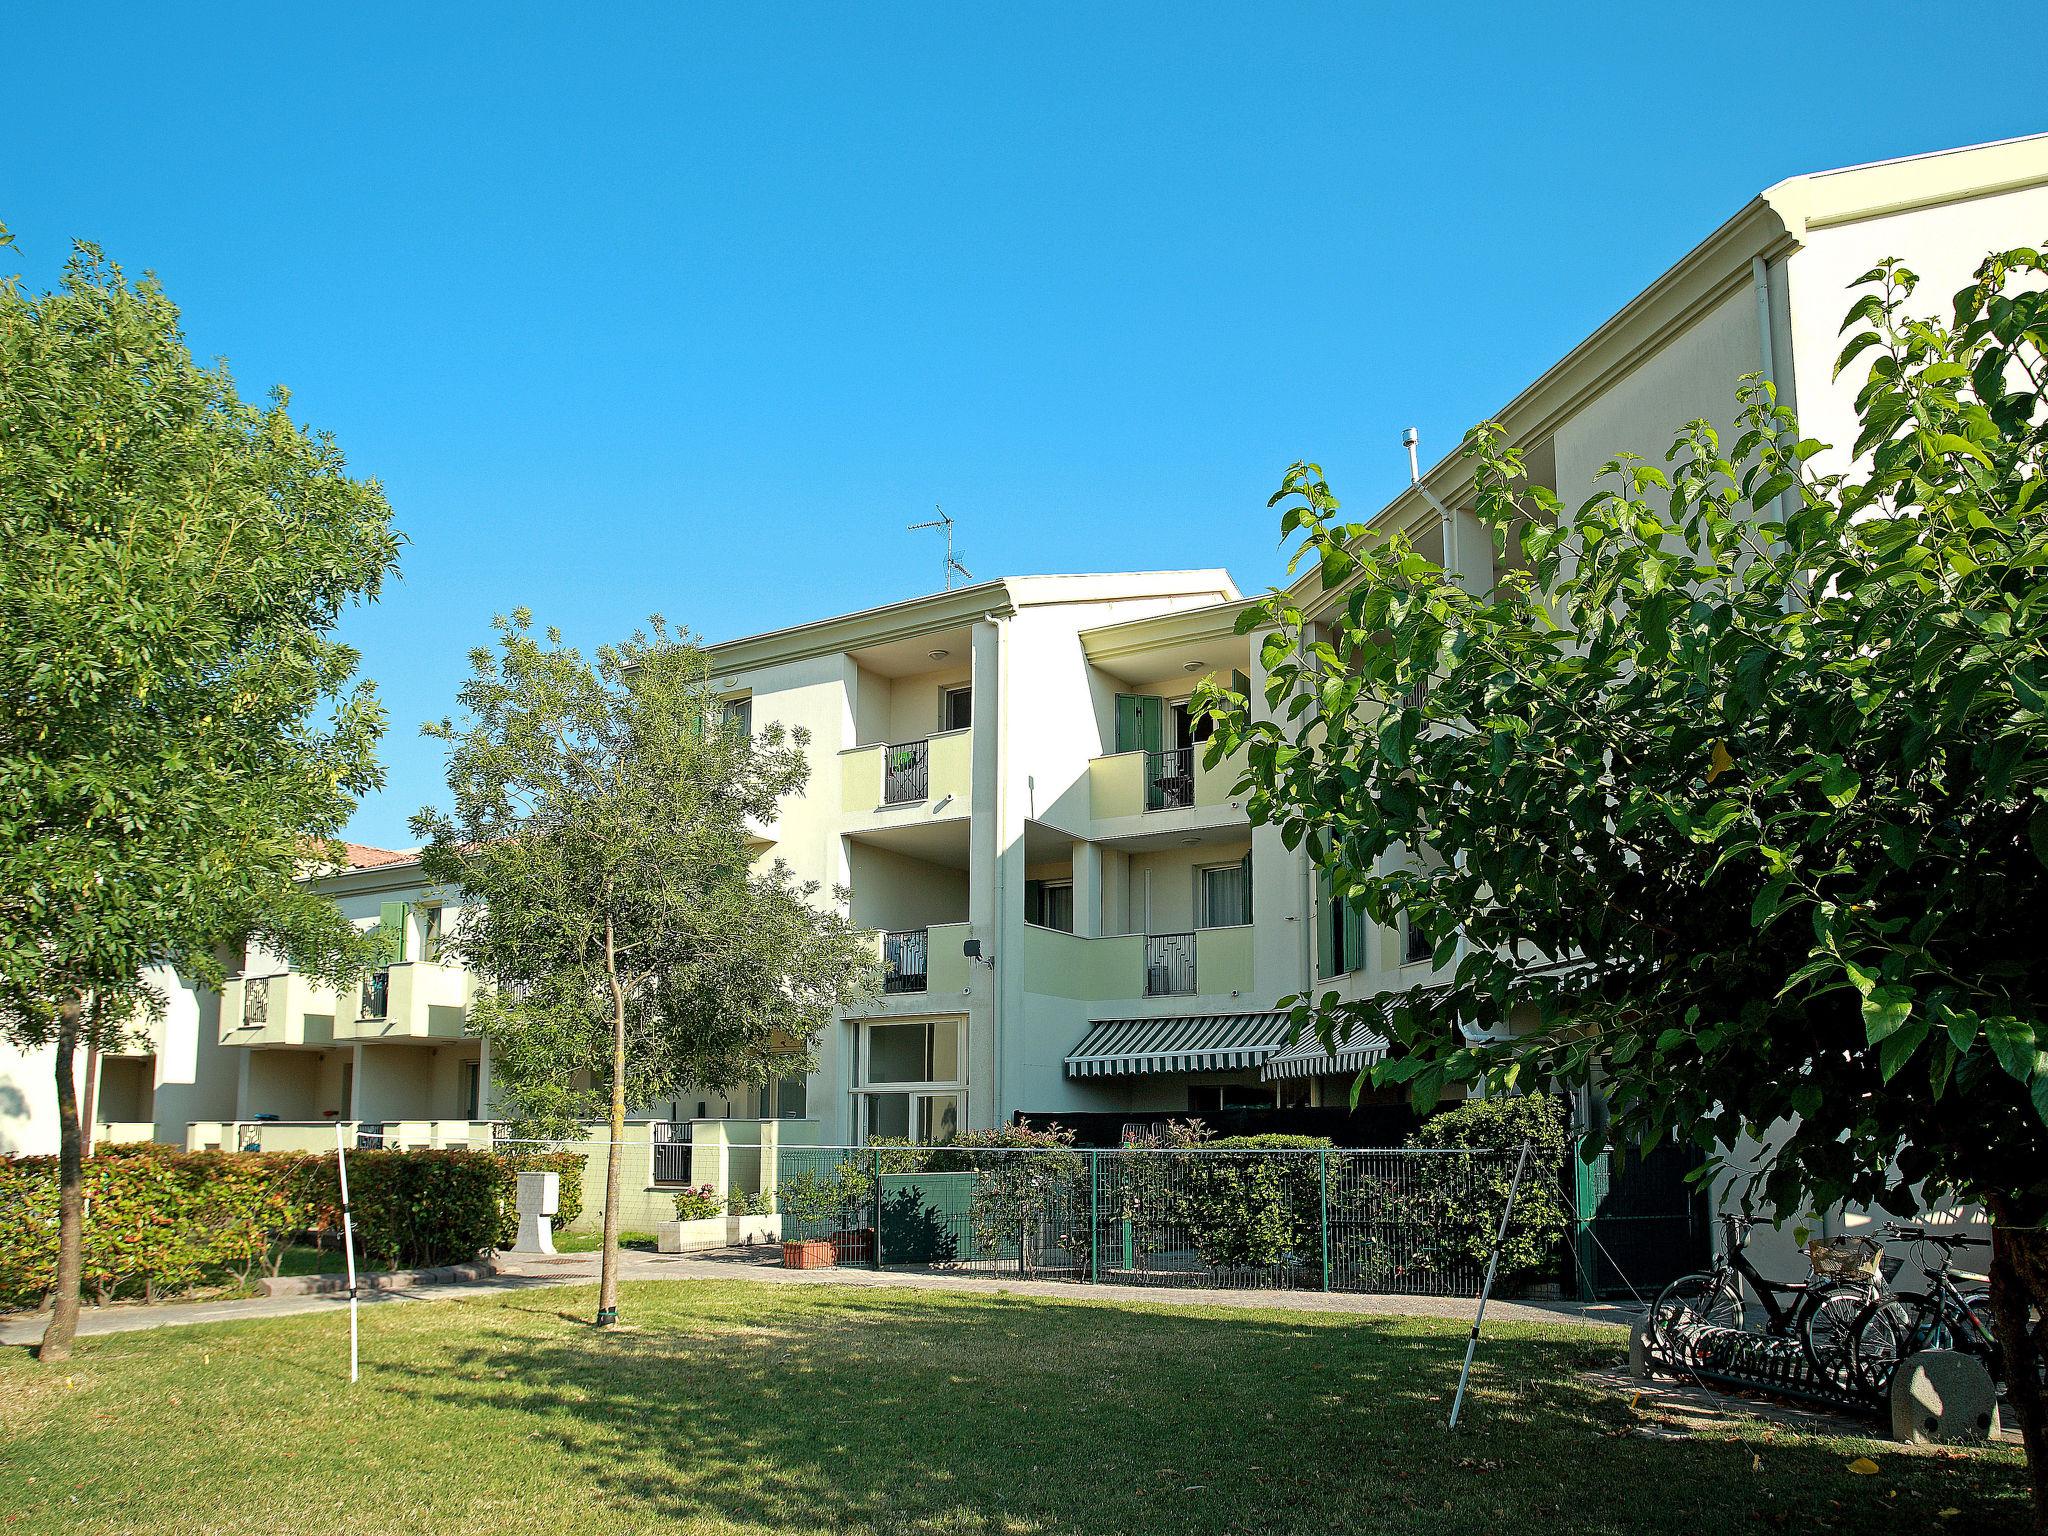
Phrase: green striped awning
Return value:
(1357, 1049)
(1205, 1042)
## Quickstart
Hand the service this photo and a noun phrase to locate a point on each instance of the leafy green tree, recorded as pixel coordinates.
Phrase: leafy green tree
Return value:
(1730, 796)
(629, 944)
(179, 735)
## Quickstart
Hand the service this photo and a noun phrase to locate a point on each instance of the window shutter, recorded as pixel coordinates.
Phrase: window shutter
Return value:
(1140, 722)
(391, 917)
(1354, 937)
(1247, 885)
(1239, 683)
(1326, 928)
(1034, 902)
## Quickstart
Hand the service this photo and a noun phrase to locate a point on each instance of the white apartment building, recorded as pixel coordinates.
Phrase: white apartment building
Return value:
(1076, 915)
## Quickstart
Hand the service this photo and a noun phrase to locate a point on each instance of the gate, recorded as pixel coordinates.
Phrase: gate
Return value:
(1638, 1221)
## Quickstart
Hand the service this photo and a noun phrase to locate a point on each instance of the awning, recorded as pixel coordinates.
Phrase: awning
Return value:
(1206, 1042)
(1357, 1049)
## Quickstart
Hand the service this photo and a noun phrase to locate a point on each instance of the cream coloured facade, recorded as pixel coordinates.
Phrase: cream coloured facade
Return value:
(1078, 914)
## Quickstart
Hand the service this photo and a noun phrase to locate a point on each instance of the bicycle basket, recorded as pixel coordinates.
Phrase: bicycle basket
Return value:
(1845, 1258)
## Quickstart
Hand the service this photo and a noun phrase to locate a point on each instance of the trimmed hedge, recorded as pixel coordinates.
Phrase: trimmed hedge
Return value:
(160, 1221)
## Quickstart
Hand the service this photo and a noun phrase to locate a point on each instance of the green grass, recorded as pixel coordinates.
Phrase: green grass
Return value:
(590, 1242)
(734, 1406)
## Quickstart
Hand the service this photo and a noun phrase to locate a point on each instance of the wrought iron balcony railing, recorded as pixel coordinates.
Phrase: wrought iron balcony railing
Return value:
(1170, 779)
(904, 958)
(1169, 964)
(906, 772)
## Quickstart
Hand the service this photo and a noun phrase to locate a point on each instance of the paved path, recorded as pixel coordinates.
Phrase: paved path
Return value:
(517, 1273)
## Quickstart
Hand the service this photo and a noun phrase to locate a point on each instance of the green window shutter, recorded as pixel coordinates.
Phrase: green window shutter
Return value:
(1239, 683)
(1140, 722)
(1247, 885)
(391, 917)
(1326, 928)
(1354, 937)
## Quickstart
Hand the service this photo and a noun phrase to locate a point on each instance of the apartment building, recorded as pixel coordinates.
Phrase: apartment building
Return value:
(1073, 910)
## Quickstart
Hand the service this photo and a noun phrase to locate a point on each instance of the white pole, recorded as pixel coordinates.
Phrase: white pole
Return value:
(1492, 1264)
(348, 1241)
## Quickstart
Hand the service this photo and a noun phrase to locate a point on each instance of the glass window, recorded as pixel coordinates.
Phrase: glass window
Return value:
(1050, 904)
(929, 1119)
(957, 712)
(430, 933)
(913, 1053)
(889, 1115)
(738, 715)
(1227, 895)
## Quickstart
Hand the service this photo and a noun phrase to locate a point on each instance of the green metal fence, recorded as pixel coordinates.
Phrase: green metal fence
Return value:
(1408, 1220)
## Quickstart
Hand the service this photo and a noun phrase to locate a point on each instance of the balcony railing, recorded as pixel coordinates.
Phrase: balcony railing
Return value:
(904, 960)
(1169, 964)
(256, 1000)
(671, 1151)
(377, 995)
(906, 772)
(1170, 779)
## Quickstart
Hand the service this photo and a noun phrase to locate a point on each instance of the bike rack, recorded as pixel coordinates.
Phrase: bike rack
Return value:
(1759, 1362)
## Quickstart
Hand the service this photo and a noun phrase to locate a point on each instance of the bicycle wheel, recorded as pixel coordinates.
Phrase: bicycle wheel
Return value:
(1829, 1331)
(1883, 1335)
(1689, 1302)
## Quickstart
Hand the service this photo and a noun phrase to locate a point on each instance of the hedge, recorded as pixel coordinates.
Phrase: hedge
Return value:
(160, 1221)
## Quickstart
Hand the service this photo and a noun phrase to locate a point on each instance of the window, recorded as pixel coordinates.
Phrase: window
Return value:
(786, 1098)
(472, 1088)
(1223, 894)
(1415, 945)
(737, 715)
(1213, 1096)
(430, 933)
(1049, 904)
(956, 708)
(910, 1082)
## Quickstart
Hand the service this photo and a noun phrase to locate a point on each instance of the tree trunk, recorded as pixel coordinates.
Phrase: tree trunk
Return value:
(70, 1192)
(2019, 1292)
(608, 1273)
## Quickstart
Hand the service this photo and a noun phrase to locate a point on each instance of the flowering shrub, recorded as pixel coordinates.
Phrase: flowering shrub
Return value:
(698, 1203)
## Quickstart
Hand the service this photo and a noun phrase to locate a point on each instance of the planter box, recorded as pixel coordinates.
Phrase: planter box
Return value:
(716, 1232)
(856, 1246)
(815, 1253)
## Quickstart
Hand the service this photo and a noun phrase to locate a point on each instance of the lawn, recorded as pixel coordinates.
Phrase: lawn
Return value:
(729, 1406)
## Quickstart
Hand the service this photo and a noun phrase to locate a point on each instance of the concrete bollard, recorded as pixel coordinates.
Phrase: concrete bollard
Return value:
(539, 1199)
(1943, 1396)
(1639, 1349)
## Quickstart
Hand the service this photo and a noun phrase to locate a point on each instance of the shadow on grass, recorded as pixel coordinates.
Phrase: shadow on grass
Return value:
(987, 1413)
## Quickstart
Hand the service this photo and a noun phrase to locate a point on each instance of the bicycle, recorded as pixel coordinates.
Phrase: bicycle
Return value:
(1820, 1313)
(1943, 1317)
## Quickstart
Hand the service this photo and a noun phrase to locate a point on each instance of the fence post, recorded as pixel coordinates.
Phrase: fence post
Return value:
(1094, 1214)
(1323, 1188)
(876, 1260)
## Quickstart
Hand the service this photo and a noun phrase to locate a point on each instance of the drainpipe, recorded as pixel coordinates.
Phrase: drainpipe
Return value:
(1410, 438)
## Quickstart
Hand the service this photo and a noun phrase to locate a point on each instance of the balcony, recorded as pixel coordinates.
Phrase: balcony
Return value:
(1137, 784)
(413, 1000)
(284, 1009)
(672, 1145)
(887, 781)
(1210, 962)
(321, 1135)
(904, 958)
(920, 961)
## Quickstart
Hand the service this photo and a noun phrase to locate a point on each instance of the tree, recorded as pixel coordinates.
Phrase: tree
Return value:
(624, 934)
(1738, 813)
(172, 562)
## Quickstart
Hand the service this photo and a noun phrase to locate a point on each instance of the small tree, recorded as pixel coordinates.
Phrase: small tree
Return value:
(1739, 814)
(172, 562)
(628, 943)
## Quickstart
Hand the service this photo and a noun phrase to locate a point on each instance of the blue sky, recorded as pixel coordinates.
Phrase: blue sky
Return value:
(692, 309)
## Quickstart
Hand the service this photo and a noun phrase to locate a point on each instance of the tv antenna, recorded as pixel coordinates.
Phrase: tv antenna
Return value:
(952, 565)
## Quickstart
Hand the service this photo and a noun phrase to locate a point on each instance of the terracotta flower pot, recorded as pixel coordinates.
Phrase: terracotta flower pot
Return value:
(811, 1253)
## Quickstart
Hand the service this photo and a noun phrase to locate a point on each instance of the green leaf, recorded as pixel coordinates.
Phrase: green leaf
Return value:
(1897, 1048)
(1839, 784)
(1885, 1011)
(2012, 1042)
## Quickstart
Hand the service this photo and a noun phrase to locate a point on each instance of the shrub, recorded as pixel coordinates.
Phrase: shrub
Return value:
(1466, 1212)
(697, 1204)
(160, 1221)
(569, 1195)
(744, 1202)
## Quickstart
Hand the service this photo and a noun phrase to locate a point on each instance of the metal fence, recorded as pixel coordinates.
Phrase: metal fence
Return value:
(1170, 779)
(906, 772)
(904, 957)
(1407, 1220)
(1169, 964)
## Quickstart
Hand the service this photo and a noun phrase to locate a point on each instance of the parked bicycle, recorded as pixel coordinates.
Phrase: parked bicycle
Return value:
(1945, 1316)
(1819, 1312)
